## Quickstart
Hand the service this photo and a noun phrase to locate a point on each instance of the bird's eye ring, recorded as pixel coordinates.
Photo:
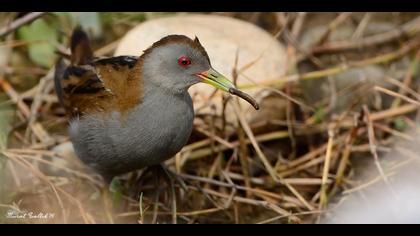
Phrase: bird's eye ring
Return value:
(184, 61)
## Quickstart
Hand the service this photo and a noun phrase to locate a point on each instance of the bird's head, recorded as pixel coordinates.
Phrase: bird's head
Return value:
(176, 62)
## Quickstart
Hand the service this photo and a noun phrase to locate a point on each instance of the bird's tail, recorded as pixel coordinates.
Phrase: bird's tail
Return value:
(60, 69)
(81, 54)
(81, 51)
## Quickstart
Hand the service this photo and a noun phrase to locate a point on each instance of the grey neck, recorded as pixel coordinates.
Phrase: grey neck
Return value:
(150, 86)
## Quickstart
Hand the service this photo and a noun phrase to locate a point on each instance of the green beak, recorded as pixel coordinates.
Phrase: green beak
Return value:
(219, 81)
(216, 79)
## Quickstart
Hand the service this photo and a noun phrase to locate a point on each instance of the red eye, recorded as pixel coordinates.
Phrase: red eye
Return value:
(184, 61)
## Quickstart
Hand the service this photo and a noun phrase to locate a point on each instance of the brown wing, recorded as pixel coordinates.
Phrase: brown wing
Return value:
(121, 77)
(102, 86)
(86, 86)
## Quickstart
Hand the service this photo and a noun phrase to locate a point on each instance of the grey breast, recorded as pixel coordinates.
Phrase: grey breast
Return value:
(153, 132)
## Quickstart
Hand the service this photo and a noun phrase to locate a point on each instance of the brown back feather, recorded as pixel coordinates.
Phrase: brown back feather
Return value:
(89, 86)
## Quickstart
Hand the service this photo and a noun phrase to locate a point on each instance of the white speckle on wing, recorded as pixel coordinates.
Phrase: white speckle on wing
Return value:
(74, 126)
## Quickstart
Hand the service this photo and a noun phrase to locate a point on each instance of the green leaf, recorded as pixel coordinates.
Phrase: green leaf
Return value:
(42, 37)
(319, 115)
(400, 124)
(116, 189)
(415, 67)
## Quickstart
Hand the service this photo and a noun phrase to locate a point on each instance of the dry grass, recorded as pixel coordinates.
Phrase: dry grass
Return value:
(273, 171)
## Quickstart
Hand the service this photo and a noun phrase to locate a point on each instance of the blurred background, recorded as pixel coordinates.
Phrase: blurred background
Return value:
(336, 137)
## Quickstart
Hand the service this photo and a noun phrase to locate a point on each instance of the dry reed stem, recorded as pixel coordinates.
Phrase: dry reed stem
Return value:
(20, 22)
(408, 29)
(40, 175)
(391, 172)
(361, 27)
(404, 89)
(341, 18)
(394, 132)
(345, 156)
(389, 113)
(325, 172)
(395, 94)
(265, 204)
(254, 142)
(373, 147)
(299, 196)
(36, 127)
(384, 58)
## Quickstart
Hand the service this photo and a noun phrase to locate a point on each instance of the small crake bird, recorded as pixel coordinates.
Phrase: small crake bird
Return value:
(128, 112)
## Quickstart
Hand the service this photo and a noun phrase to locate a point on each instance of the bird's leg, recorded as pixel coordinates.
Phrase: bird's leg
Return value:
(170, 175)
(156, 206)
(169, 179)
(107, 203)
(106, 194)
(140, 180)
(107, 179)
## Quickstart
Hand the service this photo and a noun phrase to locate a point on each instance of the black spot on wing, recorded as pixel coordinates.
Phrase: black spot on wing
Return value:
(82, 90)
(93, 85)
(129, 61)
(74, 70)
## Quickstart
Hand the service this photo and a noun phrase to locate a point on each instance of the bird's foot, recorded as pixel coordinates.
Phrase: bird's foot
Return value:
(169, 178)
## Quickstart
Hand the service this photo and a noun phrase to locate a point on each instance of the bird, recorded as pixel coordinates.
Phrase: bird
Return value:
(130, 112)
